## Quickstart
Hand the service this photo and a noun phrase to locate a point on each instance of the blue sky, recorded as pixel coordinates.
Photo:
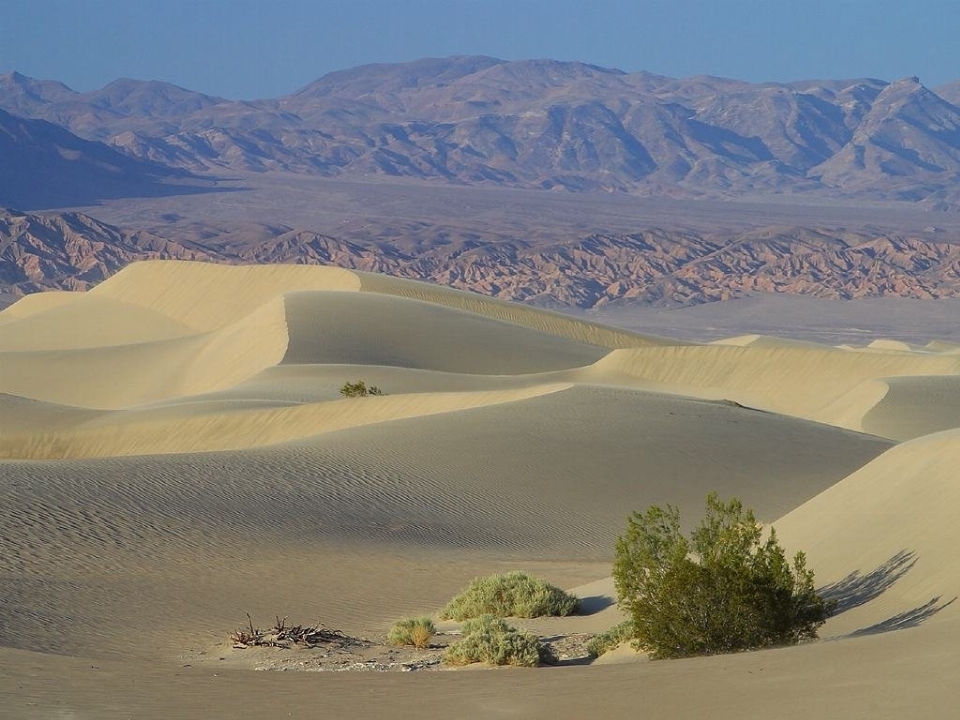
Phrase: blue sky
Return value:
(253, 48)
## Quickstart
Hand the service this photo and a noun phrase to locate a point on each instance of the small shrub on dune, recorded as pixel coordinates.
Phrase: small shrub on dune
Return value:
(359, 389)
(490, 640)
(412, 631)
(514, 594)
(609, 639)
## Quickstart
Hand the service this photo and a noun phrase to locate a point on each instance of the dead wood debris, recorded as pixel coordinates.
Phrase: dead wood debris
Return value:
(282, 636)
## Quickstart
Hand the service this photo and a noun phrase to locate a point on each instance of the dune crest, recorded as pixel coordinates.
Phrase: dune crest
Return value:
(211, 427)
(206, 296)
(36, 303)
(802, 380)
(120, 376)
(537, 319)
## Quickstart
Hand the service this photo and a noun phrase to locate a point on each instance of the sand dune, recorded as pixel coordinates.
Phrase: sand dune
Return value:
(943, 347)
(886, 537)
(207, 296)
(90, 321)
(788, 378)
(36, 303)
(373, 329)
(550, 478)
(545, 321)
(184, 343)
(179, 455)
(212, 425)
(22, 416)
(124, 375)
(915, 406)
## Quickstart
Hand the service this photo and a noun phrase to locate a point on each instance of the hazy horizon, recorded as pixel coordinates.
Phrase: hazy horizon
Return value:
(250, 49)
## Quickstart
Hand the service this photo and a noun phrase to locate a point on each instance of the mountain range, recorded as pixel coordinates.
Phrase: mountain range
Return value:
(483, 122)
(540, 124)
(72, 251)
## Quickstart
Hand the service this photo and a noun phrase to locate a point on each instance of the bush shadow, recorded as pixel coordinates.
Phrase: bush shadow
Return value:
(858, 589)
(595, 603)
(907, 619)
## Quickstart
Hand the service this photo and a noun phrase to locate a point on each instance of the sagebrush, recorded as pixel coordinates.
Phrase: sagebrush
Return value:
(491, 640)
(725, 589)
(359, 389)
(513, 594)
(416, 631)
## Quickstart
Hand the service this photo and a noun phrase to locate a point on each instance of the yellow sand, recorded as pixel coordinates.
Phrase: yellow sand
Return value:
(786, 378)
(37, 303)
(89, 321)
(893, 522)
(209, 427)
(206, 296)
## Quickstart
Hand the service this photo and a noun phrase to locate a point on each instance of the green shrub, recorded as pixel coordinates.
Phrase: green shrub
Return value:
(515, 594)
(359, 389)
(722, 590)
(609, 639)
(412, 631)
(490, 640)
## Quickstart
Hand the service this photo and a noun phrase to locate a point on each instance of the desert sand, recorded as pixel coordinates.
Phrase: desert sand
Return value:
(176, 454)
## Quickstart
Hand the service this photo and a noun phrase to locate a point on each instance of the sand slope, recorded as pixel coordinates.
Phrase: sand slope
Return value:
(374, 329)
(548, 478)
(885, 538)
(178, 454)
(915, 406)
(828, 385)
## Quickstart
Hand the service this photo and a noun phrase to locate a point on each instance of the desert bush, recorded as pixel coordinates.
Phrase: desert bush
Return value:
(723, 590)
(609, 639)
(491, 640)
(359, 389)
(412, 631)
(514, 594)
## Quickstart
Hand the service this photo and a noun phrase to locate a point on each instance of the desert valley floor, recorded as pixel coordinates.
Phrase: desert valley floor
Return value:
(176, 454)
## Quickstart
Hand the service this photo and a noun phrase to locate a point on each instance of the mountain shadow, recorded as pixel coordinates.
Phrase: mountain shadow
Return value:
(46, 167)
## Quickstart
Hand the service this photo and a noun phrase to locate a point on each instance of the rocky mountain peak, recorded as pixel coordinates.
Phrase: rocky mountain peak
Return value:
(542, 124)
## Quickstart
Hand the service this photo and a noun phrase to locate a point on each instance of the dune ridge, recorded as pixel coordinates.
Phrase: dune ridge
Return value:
(67, 325)
(148, 371)
(796, 379)
(207, 296)
(211, 427)
(36, 303)
(537, 319)
(915, 406)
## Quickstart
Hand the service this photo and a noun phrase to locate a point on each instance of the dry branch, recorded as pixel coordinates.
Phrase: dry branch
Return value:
(282, 636)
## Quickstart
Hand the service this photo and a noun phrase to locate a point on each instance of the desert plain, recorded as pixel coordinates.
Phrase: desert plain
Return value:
(176, 454)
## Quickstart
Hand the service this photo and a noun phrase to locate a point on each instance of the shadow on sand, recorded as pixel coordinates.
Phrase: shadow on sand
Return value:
(904, 620)
(858, 589)
(594, 604)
